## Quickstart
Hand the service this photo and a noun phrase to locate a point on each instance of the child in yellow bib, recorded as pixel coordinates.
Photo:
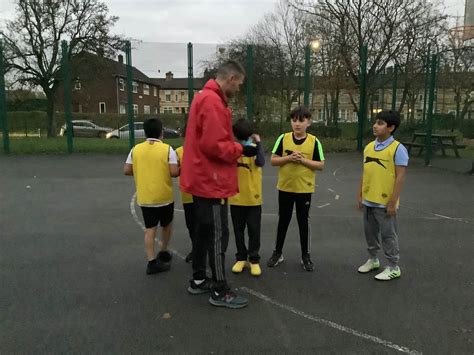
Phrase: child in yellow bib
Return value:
(385, 162)
(246, 206)
(152, 164)
(299, 155)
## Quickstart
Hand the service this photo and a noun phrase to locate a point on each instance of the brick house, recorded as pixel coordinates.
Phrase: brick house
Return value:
(174, 93)
(99, 85)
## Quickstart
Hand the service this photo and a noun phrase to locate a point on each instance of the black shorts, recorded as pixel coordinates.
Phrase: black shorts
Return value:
(154, 215)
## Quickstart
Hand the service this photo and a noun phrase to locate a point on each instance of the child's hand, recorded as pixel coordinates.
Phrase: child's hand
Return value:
(359, 203)
(256, 138)
(299, 156)
(295, 157)
(392, 208)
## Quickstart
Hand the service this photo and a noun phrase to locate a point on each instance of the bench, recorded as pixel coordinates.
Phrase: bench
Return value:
(438, 142)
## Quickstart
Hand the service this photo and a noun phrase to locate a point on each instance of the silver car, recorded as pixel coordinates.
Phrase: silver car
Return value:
(83, 128)
(123, 132)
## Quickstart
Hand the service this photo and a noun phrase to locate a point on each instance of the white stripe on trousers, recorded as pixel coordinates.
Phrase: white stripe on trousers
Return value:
(217, 243)
(309, 231)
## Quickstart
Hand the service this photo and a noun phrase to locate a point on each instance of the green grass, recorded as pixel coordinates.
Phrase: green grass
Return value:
(36, 145)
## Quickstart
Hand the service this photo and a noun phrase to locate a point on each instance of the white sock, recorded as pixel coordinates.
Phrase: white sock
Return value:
(198, 282)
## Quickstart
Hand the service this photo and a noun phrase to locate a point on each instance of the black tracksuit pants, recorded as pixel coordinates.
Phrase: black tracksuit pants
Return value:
(286, 200)
(212, 240)
(250, 217)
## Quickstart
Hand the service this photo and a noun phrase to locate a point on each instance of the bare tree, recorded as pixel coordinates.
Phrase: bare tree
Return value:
(459, 59)
(33, 41)
(390, 28)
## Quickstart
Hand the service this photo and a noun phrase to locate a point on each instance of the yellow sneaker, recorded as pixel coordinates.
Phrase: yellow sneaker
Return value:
(239, 266)
(255, 269)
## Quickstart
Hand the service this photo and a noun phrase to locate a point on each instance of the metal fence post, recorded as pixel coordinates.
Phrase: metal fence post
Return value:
(362, 97)
(250, 82)
(394, 87)
(429, 127)
(190, 76)
(3, 103)
(131, 120)
(427, 80)
(67, 95)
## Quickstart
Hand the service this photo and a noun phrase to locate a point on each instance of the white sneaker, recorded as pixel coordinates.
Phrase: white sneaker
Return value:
(389, 274)
(371, 264)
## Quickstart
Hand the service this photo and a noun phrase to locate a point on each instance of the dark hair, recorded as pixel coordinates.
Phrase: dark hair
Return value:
(153, 128)
(392, 118)
(243, 129)
(300, 112)
(229, 68)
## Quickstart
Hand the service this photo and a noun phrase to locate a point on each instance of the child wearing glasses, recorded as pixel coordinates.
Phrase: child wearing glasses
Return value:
(298, 155)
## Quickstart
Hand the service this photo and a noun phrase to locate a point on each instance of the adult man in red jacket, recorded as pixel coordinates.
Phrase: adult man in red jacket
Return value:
(209, 173)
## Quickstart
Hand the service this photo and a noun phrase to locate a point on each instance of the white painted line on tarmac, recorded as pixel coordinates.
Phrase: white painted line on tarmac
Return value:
(455, 219)
(142, 226)
(322, 206)
(331, 324)
(331, 190)
(446, 217)
(334, 173)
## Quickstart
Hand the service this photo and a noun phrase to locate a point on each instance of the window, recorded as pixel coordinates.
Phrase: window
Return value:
(121, 84)
(135, 109)
(146, 109)
(122, 109)
(146, 89)
(77, 85)
(102, 107)
(176, 109)
(155, 110)
(167, 109)
(135, 87)
(182, 96)
(176, 98)
(155, 91)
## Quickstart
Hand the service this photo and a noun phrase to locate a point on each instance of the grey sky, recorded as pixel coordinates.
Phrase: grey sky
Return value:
(170, 24)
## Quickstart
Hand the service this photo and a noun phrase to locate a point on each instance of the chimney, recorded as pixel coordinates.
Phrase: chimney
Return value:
(169, 76)
(120, 59)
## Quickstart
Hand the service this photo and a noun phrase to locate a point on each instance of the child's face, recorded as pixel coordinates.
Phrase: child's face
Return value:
(300, 125)
(381, 129)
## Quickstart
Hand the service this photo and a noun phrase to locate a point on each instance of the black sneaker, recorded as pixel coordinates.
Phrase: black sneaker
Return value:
(277, 258)
(307, 263)
(203, 287)
(155, 266)
(228, 299)
(164, 256)
(189, 257)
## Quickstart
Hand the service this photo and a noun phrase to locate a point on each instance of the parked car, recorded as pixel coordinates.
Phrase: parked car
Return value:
(123, 132)
(83, 128)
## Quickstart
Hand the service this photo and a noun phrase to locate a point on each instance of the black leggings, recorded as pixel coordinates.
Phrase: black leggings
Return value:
(286, 200)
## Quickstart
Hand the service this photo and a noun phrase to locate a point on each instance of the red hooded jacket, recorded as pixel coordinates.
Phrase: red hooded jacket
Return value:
(209, 167)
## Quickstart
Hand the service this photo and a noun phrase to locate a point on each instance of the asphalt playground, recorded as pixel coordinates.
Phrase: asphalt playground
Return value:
(72, 269)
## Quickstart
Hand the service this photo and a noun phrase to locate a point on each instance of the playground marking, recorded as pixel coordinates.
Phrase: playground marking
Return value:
(293, 310)
(331, 324)
(322, 206)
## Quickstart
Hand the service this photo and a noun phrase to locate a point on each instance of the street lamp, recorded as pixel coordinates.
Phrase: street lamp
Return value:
(314, 46)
